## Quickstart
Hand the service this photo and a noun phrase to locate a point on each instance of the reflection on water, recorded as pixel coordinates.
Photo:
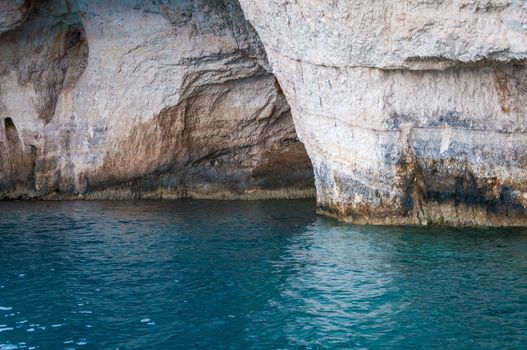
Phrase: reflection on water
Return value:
(201, 274)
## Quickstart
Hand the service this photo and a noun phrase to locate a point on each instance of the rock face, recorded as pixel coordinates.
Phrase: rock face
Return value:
(13, 13)
(141, 99)
(412, 112)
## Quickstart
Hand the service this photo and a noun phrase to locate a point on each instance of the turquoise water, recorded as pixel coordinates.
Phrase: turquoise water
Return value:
(251, 275)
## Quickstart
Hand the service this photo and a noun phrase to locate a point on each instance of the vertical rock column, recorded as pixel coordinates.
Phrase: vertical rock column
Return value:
(411, 112)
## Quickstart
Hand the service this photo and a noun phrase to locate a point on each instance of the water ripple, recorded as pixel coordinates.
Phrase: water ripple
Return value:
(242, 275)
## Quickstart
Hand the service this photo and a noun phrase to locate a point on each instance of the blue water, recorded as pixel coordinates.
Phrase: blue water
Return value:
(251, 275)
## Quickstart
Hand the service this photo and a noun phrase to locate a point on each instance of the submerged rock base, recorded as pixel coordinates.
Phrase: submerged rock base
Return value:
(437, 147)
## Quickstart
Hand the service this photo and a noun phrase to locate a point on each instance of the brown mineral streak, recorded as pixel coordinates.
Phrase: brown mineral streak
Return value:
(502, 88)
(178, 140)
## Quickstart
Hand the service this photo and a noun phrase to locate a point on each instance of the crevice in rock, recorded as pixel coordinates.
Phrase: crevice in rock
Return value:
(11, 132)
(68, 59)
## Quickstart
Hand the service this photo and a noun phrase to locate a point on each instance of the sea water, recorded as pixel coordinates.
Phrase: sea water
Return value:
(251, 275)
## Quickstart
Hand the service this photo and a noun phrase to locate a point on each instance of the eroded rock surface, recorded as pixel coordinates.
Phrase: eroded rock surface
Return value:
(412, 112)
(137, 99)
(13, 13)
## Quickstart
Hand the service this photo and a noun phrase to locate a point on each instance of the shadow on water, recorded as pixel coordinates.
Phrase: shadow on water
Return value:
(205, 274)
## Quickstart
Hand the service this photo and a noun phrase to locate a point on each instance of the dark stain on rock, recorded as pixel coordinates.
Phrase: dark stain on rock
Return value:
(395, 120)
(427, 191)
(451, 181)
(26, 8)
(452, 118)
(17, 162)
(371, 209)
(11, 133)
(410, 180)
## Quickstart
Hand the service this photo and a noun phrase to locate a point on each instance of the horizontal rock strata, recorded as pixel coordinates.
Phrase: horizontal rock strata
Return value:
(412, 112)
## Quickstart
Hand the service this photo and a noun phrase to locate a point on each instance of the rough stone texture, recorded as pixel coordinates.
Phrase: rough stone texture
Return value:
(415, 34)
(412, 112)
(13, 13)
(141, 99)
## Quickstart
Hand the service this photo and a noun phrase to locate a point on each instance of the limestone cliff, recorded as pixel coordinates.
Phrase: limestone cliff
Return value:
(412, 112)
(141, 99)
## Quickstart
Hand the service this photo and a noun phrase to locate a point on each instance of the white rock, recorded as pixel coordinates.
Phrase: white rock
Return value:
(411, 111)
